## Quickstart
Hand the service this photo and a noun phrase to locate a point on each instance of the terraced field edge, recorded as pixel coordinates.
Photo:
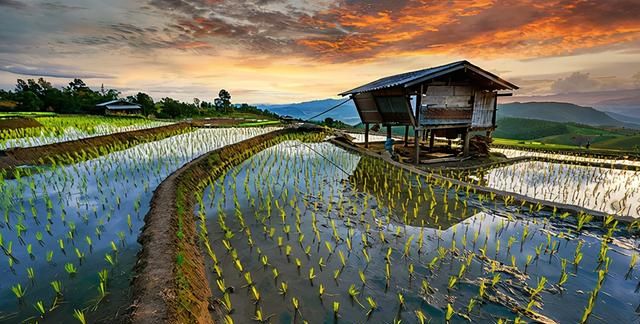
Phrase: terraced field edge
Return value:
(86, 148)
(170, 285)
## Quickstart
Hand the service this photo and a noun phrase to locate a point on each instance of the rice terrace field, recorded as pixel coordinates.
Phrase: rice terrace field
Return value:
(294, 228)
(319, 162)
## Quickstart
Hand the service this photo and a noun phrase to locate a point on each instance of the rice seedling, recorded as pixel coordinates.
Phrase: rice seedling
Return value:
(123, 178)
(19, 292)
(39, 306)
(633, 261)
(79, 315)
(283, 288)
(449, 314)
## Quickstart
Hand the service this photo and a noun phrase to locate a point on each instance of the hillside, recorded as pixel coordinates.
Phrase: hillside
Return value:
(514, 128)
(623, 117)
(303, 110)
(548, 132)
(622, 101)
(560, 112)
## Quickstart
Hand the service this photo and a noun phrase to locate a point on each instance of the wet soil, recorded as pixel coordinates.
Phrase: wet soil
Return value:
(17, 123)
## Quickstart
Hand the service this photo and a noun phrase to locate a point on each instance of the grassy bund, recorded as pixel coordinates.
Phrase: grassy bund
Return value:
(171, 285)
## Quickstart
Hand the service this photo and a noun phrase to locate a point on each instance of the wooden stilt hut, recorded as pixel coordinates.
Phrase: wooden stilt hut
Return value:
(454, 100)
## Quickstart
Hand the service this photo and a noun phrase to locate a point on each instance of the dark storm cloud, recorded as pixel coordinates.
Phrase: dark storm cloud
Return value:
(53, 71)
(61, 6)
(13, 4)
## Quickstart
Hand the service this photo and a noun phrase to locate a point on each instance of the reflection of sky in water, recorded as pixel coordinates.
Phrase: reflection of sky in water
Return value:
(85, 193)
(511, 153)
(291, 166)
(608, 190)
(72, 133)
(359, 138)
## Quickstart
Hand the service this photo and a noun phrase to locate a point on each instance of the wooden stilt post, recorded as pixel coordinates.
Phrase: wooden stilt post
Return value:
(406, 136)
(432, 138)
(388, 131)
(366, 135)
(467, 135)
(417, 127)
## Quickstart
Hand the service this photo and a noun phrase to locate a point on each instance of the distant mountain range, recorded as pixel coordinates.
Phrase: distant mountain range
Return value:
(563, 112)
(551, 111)
(304, 110)
(624, 102)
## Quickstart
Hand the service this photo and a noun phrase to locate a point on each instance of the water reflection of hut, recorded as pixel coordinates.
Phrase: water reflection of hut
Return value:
(454, 100)
(433, 209)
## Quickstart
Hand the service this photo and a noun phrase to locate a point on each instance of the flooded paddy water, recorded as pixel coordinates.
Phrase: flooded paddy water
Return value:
(311, 232)
(69, 234)
(612, 191)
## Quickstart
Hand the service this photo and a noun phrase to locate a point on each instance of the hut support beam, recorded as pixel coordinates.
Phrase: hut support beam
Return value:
(406, 136)
(417, 129)
(432, 138)
(467, 136)
(366, 135)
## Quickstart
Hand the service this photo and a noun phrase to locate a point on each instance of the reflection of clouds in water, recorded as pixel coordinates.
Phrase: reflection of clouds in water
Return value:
(359, 138)
(607, 190)
(511, 153)
(85, 193)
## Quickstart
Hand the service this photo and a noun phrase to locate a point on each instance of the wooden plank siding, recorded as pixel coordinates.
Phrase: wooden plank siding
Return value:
(483, 109)
(447, 105)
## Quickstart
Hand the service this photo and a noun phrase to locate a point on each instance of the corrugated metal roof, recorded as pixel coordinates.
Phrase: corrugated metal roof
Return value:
(108, 102)
(405, 79)
(117, 101)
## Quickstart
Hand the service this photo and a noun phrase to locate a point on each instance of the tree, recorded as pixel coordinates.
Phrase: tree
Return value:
(29, 101)
(223, 102)
(146, 102)
(170, 108)
(329, 121)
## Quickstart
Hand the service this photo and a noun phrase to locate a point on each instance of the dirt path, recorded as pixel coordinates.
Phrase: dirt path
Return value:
(165, 290)
(20, 156)
(17, 123)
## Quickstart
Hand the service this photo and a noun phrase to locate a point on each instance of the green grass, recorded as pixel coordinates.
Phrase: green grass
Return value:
(533, 144)
(26, 114)
(57, 124)
(532, 133)
(260, 123)
(631, 143)
(598, 148)
(528, 129)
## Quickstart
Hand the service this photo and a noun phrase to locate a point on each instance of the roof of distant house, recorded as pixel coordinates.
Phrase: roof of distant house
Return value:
(119, 104)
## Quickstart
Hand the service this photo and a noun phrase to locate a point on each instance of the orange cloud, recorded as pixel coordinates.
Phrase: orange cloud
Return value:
(482, 28)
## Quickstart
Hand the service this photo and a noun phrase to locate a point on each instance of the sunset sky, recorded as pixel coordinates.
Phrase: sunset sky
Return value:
(268, 51)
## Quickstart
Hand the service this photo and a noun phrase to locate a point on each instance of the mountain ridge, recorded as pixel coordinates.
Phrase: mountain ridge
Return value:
(549, 110)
